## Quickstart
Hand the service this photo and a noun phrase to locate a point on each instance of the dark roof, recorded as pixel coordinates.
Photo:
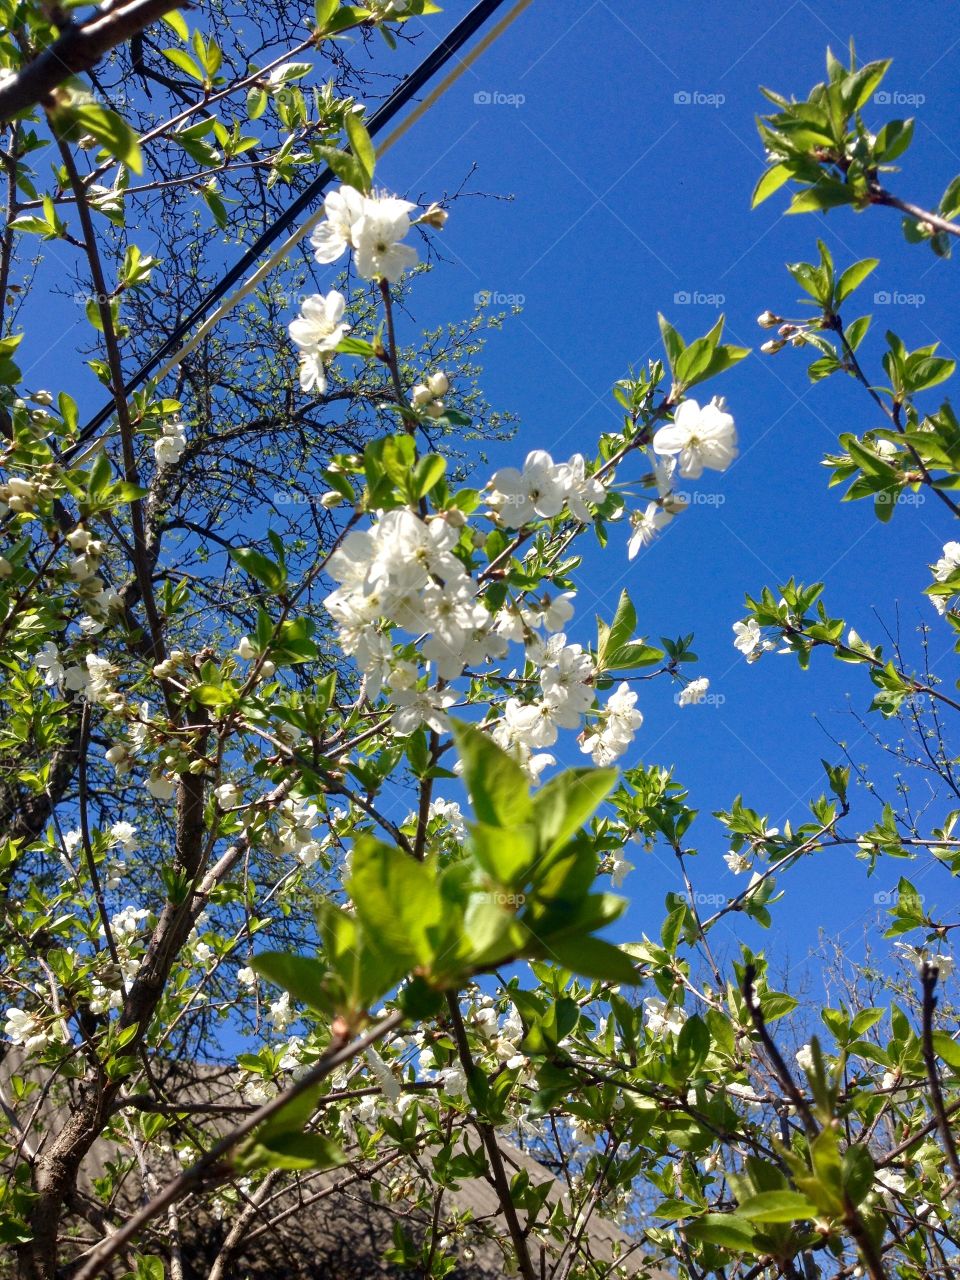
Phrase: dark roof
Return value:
(316, 1226)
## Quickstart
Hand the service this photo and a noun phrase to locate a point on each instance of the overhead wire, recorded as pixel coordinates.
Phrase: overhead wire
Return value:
(174, 349)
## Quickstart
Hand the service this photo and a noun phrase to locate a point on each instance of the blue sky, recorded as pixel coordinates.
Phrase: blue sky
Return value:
(624, 137)
(628, 199)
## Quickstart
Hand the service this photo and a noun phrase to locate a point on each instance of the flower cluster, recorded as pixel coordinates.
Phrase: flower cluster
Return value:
(609, 738)
(374, 227)
(543, 488)
(318, 331)
(403, 570)
(169, 446)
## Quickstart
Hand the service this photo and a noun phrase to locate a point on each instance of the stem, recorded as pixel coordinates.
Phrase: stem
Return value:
(141, 554)
(880, 196)
(850, 356)
(929, 981)
(488, 1136)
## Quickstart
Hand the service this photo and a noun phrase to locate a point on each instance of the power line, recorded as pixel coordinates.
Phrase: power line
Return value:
(405, 91)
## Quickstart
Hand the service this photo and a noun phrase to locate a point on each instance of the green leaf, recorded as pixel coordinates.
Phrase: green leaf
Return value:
(724, 1229)
(892, 140)
(175, 21)
(825, 195)
(323, 11)
(593, 958)
(397, 900)
(362, 146)
(427, 472)
(180, 58)
(257, 100)
(109, 129)
(854, 276)
(293, 1151)
(777, 1206)
(302, 976)
(259, 566)
(771, 180)
(563, 805)
(947, 1048)
(499, 789)
(672, 341)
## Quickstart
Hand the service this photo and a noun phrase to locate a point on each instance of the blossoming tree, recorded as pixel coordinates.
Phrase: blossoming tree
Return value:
(202, 730)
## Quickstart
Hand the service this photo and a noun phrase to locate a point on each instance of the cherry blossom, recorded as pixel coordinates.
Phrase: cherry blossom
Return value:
(699, 438)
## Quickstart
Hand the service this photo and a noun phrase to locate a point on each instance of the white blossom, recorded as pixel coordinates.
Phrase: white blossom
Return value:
(737, 862)
(169, 446)
(614, 732)
(318, 331)
(536, 490)
(694, 693)
(125, 835)
(661, 1019)
(748, 638)
(645, 527)
(699, 438)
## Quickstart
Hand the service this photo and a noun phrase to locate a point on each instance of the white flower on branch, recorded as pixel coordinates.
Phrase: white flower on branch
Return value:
(699, 438)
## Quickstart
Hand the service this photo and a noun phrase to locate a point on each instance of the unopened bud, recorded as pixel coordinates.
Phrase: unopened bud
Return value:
(772, 347)
(42, 397)
(434, 217)
(438, 384)
(767, 320)
(330, 499)
(420, 395)
(787, 330)
(79, 538)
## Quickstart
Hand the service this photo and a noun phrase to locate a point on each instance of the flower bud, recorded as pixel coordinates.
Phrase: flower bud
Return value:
(434, 409)
(79, 538)
(420, 395)
(42, 397)
(434, 217)
(767, 320)
(771, 348)
(787, 330)
(438, 384)
(17, 487)
(330, 499)
(246, 648)
(267, 670)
